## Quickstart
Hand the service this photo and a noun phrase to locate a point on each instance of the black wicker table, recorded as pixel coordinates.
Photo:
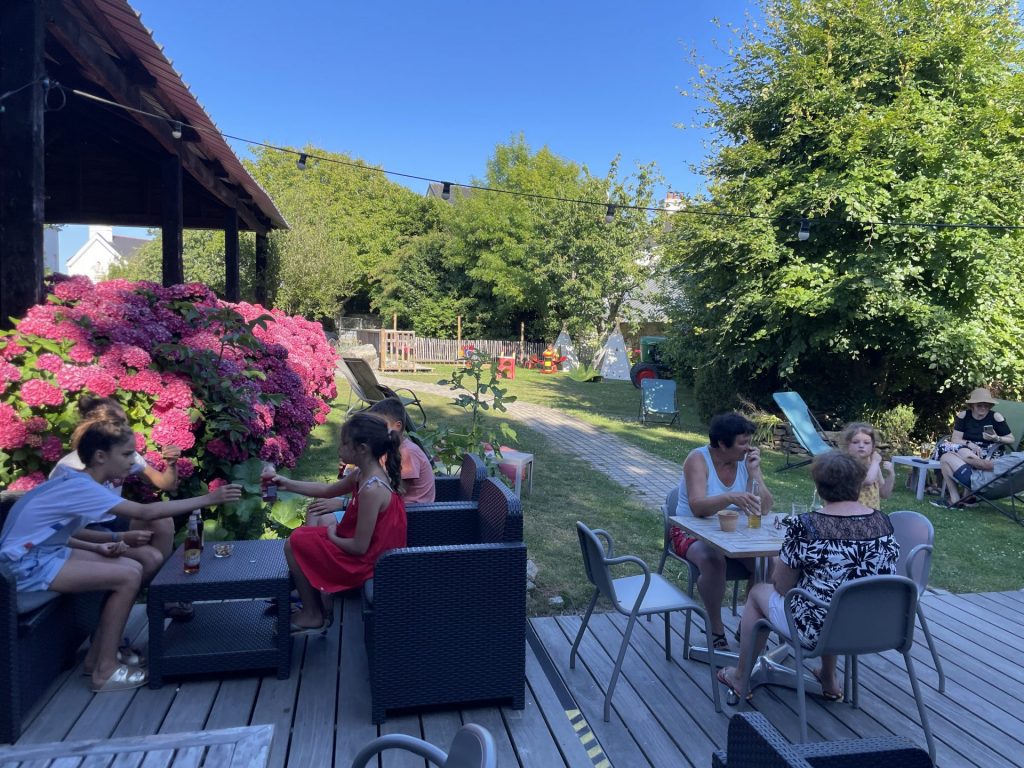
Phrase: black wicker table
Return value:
(230, 630)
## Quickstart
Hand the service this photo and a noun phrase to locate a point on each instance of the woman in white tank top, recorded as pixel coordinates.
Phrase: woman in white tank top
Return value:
(715, 477)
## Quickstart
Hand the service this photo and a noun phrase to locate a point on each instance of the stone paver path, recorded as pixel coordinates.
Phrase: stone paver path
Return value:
(647, 475)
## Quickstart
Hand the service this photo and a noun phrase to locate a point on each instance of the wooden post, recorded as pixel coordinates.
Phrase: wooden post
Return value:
(232, 283)
(458, 335)
(383, 348)
(21, 168)
(170, 221)
(261, 289)
(394, 322)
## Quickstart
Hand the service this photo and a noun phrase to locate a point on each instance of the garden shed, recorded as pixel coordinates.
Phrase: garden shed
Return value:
(98, 127)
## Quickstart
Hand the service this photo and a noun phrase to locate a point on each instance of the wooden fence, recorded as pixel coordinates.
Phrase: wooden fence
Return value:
(427, 350)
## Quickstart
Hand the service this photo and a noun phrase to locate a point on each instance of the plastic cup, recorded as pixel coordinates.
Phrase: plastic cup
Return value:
(754, 521)
(800, 509)
(727, 519)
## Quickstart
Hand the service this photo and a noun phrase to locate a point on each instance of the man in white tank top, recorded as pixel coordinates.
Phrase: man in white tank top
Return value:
(715, 477)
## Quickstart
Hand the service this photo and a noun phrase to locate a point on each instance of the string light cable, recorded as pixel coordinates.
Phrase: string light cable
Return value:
(803, 223)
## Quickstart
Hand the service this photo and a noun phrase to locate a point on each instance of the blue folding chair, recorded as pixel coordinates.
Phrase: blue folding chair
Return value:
(806, 428)
(658, 398)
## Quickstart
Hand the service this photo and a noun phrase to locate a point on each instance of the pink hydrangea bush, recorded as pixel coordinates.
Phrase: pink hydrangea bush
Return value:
(224, 382)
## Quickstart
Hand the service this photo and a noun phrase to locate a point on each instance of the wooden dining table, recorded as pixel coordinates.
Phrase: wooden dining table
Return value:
(762, 544)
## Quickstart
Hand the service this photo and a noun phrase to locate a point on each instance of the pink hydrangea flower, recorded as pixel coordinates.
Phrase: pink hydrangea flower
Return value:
(36, 393)
(100, 382)
(71, 378)
(49, 362)
(12, 428)
(140, 442)
(216, 483)
(36, 424)
(52, 448)
(82, 353)
(28, 482)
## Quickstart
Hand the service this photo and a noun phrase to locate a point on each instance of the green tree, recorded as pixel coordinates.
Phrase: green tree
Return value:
(847, 112)
(551, 262)
(346, 219)
(203, 256)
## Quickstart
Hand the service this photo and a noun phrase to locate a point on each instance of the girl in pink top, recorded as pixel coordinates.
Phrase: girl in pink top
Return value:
(417, 474)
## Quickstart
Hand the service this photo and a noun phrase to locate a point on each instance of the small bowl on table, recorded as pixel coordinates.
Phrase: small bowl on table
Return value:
(223, 549)
(727, 519)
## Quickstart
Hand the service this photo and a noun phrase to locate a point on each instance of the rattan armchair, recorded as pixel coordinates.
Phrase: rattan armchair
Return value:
(754, 743)
(445, 623)
(462, 487)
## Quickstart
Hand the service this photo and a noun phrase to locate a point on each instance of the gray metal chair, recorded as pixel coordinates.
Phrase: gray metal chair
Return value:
(632, 596)
(735, 571)
(867, 615)
(916, 538)
(472, 747)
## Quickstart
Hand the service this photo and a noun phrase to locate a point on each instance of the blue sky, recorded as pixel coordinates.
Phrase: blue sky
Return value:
(430, 88)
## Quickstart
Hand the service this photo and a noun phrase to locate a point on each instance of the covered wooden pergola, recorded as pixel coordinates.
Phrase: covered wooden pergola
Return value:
(67, 158)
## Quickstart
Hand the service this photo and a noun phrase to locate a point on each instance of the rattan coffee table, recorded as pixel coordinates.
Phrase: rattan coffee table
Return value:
(230, 631)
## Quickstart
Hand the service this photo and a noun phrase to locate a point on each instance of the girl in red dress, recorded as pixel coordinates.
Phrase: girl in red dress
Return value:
(335, 558)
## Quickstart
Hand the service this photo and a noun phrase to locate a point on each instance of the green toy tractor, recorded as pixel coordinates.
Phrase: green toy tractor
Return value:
(650, 365)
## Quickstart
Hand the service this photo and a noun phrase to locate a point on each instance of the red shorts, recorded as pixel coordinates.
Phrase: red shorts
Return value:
(680, 541)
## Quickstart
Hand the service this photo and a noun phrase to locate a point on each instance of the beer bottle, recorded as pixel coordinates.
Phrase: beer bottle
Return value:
(269, 494)
(193, 545)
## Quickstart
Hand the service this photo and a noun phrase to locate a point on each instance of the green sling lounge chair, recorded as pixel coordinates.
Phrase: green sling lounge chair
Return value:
(806, 428)
(658, 398)
(365, 386)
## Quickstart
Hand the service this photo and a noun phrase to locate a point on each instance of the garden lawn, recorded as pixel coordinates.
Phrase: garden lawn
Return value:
(977, 550)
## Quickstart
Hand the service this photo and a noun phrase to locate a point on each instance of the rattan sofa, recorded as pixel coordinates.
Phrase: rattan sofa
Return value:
(754, 743)
(445, 623)
(40, 633)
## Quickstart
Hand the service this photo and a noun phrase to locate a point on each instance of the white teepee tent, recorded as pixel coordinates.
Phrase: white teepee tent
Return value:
(614, 362)
(564, 346)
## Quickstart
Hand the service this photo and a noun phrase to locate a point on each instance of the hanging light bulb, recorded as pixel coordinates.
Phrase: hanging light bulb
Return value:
(609, 215)
(805, 230)
(301, 162)
(446, 190)
(176, 130)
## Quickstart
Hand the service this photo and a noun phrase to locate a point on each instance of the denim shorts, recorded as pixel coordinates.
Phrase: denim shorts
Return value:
(963, 475)
(37, 569)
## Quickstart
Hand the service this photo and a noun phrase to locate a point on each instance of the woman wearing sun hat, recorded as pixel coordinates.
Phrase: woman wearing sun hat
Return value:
(979, 435)
(981, 428)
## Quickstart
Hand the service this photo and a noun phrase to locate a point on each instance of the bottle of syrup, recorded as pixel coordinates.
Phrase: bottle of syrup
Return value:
(193, 545)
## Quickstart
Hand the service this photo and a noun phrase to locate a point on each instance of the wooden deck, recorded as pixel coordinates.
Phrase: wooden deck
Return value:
(662, 711)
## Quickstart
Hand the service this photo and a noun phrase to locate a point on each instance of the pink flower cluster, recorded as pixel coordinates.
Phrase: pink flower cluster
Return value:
(168, 356)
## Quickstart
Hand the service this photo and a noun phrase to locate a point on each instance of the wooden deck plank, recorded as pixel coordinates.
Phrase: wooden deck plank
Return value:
(662, 711)
(657, 745)
(439, 728)
(1007, 612)
(555, 714)
(618, 744)
(354, 726)
(188, 712)
(966, 630)
(408, 725)
(275, 705)
(963, 746)
(491, 718)
(312, 741)
(679, 723)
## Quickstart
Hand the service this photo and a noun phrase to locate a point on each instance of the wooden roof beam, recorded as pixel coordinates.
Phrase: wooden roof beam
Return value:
(93, 60)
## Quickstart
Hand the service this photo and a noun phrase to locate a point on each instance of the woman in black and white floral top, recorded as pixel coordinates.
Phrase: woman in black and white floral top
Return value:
(842, 541)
